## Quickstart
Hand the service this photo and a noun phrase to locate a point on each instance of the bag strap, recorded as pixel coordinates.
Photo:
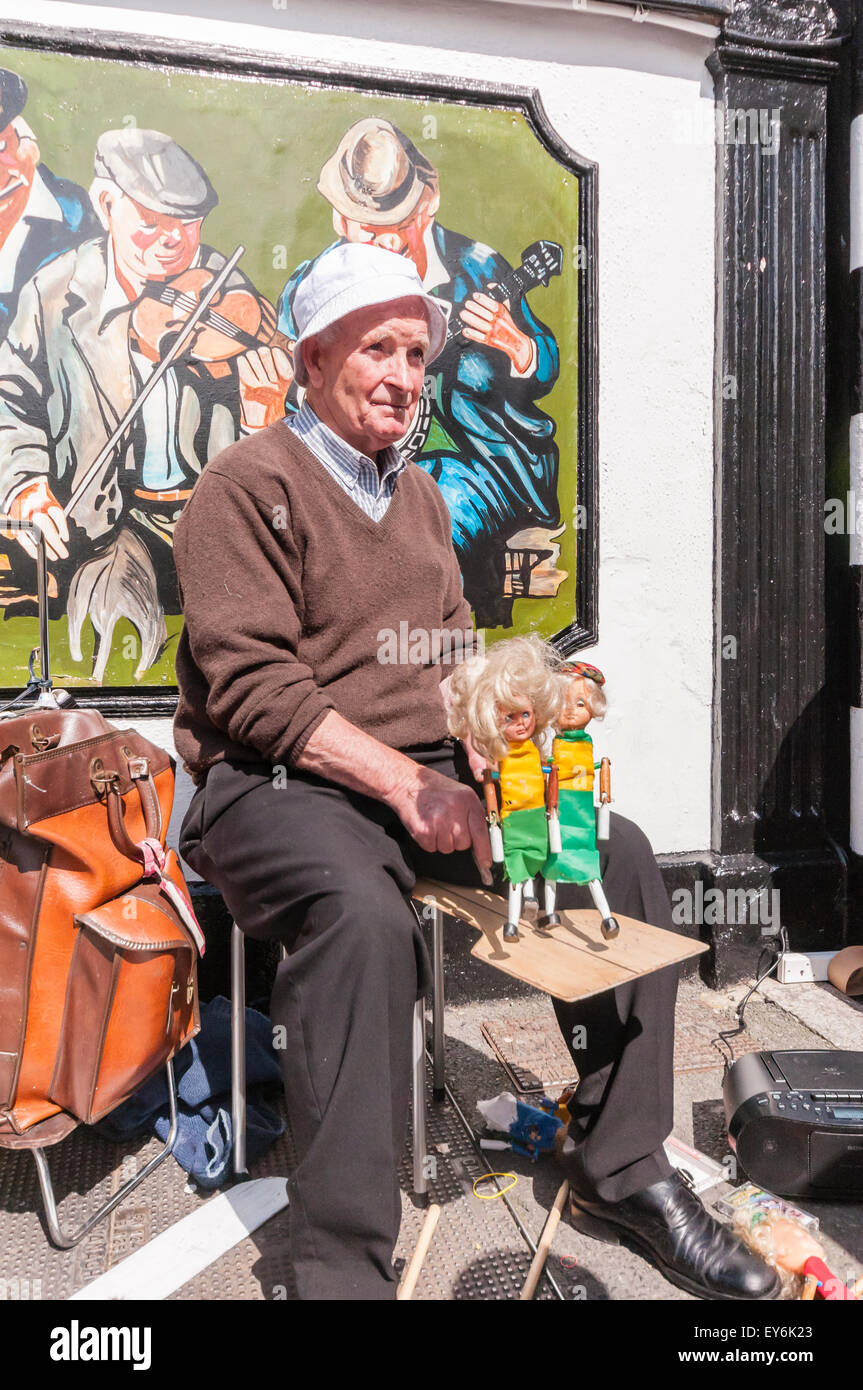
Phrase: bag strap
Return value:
(154, 867)
(149, 852)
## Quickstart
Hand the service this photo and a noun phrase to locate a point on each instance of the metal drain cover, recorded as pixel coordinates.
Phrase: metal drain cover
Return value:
(532, 1053)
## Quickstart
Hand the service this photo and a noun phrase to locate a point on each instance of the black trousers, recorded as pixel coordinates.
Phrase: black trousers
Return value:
(327, 872)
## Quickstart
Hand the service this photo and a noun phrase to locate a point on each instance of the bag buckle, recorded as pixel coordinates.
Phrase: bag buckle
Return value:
(138, 767)
(101, 780)
(42, 742)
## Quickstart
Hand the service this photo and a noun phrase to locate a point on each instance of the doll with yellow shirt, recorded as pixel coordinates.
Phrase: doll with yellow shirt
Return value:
(575, 859)
(503, 702)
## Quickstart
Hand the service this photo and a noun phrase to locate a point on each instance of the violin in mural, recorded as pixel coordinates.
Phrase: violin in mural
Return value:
(99, 444)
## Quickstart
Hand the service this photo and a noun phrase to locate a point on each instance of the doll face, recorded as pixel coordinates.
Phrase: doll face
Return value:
(576, 711)
(517, 722)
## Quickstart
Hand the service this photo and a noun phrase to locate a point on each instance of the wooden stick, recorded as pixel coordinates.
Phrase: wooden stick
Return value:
(810, 1284)
(857, 1289)
(412, 1273)
(489, 791)
(544, 1245)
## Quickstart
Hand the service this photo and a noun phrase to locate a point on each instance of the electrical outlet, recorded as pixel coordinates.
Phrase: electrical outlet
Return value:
(804, 967)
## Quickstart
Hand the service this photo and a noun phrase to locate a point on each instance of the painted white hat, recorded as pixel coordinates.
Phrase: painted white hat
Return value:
(352, 276)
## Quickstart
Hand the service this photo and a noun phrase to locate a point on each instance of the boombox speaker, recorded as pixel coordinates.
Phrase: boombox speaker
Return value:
(795, 1121)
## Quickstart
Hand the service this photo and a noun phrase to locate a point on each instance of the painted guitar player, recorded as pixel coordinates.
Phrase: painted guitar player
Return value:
(478, 430)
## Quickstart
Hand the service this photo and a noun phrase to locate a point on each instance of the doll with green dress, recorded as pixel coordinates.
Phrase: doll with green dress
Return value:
(503, 702)
(573, 768)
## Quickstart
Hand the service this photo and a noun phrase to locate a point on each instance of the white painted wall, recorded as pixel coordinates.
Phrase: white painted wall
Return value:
(637, 99)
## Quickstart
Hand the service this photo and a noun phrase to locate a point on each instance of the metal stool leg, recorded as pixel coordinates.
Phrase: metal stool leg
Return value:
(438, 1053)
(66, 1239)
(238, 1050)
(419, 1103)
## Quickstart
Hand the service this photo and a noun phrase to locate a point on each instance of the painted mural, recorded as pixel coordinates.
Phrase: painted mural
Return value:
(154, 228)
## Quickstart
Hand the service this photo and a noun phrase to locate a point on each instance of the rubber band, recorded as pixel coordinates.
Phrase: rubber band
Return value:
(567, 1261)
(490, 1196)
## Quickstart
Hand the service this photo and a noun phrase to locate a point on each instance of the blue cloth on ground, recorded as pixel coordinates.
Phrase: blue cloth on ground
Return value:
(203, 1074)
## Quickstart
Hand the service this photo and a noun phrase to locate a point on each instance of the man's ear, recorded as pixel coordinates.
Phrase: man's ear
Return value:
(311, 350)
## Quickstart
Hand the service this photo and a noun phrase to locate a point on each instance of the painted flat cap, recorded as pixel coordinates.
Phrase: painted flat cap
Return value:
(157, 172)
(377, 175)
(13, 96)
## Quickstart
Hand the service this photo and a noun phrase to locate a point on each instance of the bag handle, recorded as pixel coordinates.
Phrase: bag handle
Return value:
(149, 852)
(106, 783)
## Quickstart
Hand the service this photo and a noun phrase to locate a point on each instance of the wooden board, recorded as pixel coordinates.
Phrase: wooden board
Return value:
(570, 961)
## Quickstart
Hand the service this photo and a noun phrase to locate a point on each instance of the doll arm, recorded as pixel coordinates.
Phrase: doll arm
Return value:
(551, 810)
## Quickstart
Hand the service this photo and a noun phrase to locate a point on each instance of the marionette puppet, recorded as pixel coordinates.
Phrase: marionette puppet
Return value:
(575, 858)
(503, 702)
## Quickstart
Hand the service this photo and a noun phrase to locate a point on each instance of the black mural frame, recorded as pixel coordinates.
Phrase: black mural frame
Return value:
(144, 51)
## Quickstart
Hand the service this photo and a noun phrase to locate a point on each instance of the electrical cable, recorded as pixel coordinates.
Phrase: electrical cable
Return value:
(725, 1037)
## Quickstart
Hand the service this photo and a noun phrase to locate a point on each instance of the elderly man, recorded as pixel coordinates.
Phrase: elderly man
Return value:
(326, 782)
(492, 450)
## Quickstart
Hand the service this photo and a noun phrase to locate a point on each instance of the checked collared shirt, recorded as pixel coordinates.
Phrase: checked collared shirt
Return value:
(369, 486)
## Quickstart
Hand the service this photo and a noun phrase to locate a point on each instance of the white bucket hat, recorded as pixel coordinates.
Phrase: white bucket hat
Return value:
(352, 276)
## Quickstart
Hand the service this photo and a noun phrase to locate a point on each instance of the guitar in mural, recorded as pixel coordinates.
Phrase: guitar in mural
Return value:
(539, 263)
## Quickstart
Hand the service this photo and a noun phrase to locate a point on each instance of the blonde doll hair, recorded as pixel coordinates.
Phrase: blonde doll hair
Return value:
(520, 670)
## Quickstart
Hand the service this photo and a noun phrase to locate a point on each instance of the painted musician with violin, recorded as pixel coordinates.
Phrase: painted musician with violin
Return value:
(92, 330)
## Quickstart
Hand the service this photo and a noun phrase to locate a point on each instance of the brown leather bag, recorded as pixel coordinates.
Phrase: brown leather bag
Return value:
(97, 950)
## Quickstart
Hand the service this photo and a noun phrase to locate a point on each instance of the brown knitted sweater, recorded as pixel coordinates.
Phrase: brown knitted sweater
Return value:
(290, 594)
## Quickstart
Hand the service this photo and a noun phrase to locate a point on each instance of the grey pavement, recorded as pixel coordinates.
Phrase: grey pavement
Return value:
(478, 1252)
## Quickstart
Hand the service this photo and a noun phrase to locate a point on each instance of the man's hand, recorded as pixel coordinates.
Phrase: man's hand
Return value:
(38, 504)
(443, 816)
(265, 375)
(489, 321)
(477, 762)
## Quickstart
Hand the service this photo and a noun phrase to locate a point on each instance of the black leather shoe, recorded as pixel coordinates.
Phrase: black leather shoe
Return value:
(667, 1223)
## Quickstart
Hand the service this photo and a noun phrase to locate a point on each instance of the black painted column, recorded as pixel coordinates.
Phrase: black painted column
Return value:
(773, 713)
(855, 473)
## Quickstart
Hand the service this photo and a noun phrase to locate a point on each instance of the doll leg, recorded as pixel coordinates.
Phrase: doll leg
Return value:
(610, 925)
(510, 931)
(549, 918)
(530, 899)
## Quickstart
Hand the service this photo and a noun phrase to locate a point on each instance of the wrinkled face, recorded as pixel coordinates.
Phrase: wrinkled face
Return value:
(518, 722)
(576, 711)
(149, 245)
(366, 377)
(19, 156)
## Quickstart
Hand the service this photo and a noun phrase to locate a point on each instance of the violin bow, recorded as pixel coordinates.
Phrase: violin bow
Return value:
(179, 343)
